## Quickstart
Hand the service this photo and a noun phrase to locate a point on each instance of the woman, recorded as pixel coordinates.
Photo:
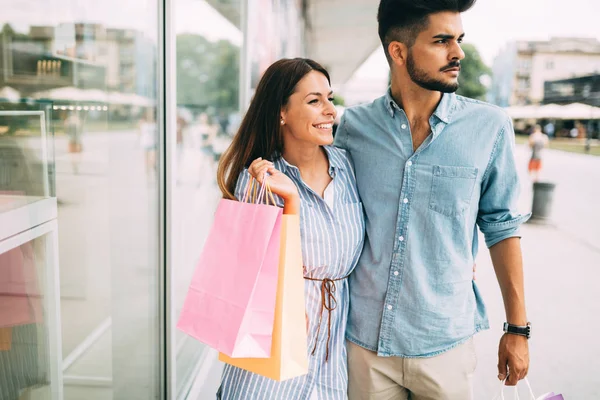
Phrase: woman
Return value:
(287, 133)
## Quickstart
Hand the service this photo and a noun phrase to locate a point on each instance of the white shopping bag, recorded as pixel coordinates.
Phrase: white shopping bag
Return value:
(547, 396)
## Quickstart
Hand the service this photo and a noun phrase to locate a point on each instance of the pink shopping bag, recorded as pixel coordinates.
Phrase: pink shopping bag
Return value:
(230, 304)
(20, 301)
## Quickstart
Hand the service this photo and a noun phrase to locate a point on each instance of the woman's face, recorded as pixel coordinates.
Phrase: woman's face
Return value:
(309, 114)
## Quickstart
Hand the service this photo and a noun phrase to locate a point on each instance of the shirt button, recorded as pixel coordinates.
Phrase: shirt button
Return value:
(389, 307)
(405, 201)
(403, 126)
(401, 238)
(409, 163)
(396, 273)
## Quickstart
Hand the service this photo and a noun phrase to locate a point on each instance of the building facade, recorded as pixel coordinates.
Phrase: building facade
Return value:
(520, 70)
(583, 89)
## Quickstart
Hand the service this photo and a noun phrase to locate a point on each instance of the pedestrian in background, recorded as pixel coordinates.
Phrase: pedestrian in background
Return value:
(537, 141)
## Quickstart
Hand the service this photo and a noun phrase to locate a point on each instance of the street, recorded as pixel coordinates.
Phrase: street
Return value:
(109, 273)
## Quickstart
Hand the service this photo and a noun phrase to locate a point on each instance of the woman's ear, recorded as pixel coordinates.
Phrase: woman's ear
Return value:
(282, 116)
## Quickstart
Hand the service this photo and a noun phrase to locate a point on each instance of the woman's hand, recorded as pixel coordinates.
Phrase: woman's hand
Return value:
(279, 182)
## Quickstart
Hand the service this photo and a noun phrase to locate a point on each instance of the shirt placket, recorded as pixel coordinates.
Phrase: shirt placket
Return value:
(398, 265)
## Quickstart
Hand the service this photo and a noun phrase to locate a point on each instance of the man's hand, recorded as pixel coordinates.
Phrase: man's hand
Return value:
(513, 358)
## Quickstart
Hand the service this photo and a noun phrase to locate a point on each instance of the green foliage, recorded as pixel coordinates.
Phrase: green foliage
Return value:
(207, 73)
(472, 69)
(338, 100)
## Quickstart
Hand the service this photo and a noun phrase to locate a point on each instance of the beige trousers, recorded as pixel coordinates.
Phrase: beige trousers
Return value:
(448, 376)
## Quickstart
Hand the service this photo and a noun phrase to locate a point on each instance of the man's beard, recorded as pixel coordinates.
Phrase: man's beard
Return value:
(421, 78)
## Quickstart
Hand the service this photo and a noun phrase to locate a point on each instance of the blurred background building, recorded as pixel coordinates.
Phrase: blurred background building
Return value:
(520, 70)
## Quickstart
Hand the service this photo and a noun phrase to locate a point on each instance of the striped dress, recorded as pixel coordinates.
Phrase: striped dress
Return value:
(332, 239)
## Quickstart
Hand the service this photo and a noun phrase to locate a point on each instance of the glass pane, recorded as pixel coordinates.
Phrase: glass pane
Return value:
(208, 85)
(24, 321)
(212, 84)
(91, 67)
(26, 156)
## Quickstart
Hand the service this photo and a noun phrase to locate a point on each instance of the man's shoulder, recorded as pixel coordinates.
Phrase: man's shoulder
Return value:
(336, 151)
(491, 112)
(365, 111)
(338, 156)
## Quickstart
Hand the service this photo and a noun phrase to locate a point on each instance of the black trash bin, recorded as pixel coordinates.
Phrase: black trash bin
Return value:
(543, 193)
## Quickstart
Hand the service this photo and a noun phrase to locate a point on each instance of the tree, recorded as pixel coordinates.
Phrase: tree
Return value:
(7, 30)
(207, 72)
(338, 100)
(472, 69)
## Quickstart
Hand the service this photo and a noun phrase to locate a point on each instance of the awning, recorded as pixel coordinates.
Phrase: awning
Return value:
(574, 111)
(9, 94)
(73, 94)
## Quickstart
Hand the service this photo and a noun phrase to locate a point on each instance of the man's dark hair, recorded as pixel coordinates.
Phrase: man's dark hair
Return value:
(403, 20)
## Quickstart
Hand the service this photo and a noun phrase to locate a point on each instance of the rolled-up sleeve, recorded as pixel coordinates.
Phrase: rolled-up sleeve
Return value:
(498, 217)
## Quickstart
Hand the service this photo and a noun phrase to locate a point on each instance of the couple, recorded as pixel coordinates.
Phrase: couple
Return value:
(426, 166)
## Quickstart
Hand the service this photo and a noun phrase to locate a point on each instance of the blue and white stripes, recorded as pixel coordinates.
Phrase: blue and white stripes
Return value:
(332, 239)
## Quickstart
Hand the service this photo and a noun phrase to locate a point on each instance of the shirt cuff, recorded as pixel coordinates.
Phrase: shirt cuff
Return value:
(496, 232)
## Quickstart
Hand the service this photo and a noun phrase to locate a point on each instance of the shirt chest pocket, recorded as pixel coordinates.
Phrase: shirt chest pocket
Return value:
(452, 189)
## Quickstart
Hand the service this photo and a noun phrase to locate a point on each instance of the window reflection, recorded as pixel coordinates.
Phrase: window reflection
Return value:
(90, 69)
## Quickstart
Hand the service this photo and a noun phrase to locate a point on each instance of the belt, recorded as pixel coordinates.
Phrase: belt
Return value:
(329, 303)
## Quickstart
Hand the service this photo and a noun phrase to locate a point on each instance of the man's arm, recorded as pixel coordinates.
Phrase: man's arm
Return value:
(513, 352)
(499, 220)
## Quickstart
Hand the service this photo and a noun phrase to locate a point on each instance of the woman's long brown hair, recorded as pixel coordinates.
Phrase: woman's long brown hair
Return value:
(259, 134)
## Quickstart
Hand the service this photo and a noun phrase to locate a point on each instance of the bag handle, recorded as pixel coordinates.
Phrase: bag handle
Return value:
(501, 395)
(264, 193)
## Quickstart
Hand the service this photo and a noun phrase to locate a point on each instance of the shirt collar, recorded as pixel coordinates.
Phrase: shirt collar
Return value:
(443, 111)
(334, 163)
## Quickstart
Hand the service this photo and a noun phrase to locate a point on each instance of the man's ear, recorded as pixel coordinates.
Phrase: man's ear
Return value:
(398, 52)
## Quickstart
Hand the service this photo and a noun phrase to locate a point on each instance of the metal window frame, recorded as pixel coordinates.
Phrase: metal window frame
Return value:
(166, 112)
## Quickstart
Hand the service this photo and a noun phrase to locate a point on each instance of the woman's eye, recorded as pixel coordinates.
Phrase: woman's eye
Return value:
(313, 101)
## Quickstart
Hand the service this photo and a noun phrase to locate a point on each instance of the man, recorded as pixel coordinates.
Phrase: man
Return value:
(430, 166)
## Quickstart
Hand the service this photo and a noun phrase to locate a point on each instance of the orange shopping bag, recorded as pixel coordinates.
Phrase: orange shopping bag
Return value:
(5, 339)
(289, 347)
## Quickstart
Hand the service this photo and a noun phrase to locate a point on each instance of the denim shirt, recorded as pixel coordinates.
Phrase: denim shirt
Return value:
(412, 293)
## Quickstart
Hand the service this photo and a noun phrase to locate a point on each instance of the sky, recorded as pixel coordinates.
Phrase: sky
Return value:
(489, 25)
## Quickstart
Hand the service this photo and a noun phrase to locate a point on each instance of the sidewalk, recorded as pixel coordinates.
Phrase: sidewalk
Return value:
(561, 266)
(561, 273)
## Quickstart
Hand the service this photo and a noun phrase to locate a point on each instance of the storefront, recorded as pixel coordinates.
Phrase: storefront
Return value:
(113, 115)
